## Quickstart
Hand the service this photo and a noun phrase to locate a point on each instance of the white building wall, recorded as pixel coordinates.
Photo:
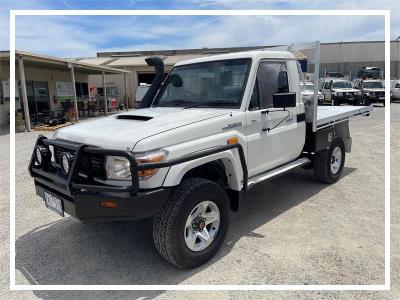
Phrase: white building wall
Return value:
(350, 57)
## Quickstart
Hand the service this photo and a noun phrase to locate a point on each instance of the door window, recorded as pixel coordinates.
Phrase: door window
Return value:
(271, 79)
(328, 85)
(255, 100)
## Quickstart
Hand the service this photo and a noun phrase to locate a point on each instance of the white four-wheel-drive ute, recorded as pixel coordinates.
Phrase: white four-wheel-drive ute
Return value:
(202, 138)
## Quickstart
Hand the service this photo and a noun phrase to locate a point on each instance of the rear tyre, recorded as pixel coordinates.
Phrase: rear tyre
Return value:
(192, 226)
(328, 163)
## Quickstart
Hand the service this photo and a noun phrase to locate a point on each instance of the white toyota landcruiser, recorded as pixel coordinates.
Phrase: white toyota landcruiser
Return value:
(340, 91)
(202, 138)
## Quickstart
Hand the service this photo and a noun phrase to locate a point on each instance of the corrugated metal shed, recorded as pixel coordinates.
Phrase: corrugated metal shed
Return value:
(129, 61)
(96, 60)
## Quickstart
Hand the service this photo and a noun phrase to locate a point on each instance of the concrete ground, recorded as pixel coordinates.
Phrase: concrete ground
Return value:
(292, 230)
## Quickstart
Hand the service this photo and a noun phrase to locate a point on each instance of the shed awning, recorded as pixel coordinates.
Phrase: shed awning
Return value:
(54, 63)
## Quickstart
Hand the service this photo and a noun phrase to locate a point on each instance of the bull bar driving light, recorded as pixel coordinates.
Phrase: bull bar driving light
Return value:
(42, 155)
(65, 163)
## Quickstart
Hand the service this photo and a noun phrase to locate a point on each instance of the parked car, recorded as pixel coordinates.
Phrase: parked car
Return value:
(369, 72)
(340, 91)
(334, 75)
(395, 90)
(372, 91)
(307, 92)
(141, 91)
(215, 128)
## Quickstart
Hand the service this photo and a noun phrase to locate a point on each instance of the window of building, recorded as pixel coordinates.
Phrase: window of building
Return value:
(81, 89)
(38, 98)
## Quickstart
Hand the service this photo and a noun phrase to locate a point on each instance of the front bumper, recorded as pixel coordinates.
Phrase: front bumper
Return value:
(347, 98)
(86, 205)
(81, 196)
(376, 98)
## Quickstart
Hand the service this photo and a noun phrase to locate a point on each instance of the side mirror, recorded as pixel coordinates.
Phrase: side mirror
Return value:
(176, 80)
(284, 100)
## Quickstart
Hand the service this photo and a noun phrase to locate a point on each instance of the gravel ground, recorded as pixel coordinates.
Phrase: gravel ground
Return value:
(292, 230)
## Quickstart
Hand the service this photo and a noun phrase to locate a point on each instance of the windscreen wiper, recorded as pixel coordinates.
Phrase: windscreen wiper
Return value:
(179, 102)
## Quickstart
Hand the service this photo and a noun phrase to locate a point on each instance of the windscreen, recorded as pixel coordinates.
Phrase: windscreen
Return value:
(209, 84)
(372, 85)
(342, 85)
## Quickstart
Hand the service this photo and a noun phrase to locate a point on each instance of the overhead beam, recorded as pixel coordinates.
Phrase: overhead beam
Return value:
(24, 94)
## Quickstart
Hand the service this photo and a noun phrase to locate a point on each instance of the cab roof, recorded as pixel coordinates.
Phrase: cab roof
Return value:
(255, 55)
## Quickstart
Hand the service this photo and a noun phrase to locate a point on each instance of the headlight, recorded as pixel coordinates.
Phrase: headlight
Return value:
(66, 160)
(358, 93)
(118, 168)
(147, 157)
(340, 94)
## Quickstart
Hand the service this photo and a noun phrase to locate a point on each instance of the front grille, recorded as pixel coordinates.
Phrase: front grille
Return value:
(88, 165)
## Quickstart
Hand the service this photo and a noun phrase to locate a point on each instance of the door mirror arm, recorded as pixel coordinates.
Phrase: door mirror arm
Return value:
(277, 124)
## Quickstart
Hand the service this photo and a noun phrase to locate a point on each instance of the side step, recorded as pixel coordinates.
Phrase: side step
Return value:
(276, 172)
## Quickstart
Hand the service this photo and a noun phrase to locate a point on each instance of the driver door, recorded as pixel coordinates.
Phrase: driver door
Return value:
(326, 91)
(269, 149)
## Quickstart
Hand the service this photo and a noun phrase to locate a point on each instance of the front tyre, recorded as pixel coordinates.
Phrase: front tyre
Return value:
(335, 101)
(192, 226)
(328, 163)
(366, 101)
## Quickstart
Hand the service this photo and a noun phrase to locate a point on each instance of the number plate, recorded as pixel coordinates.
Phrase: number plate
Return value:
(54, 203)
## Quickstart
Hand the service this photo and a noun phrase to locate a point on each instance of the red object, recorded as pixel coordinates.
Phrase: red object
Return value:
(113, 102)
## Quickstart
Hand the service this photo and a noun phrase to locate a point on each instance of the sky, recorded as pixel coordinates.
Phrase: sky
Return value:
(84, 36)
